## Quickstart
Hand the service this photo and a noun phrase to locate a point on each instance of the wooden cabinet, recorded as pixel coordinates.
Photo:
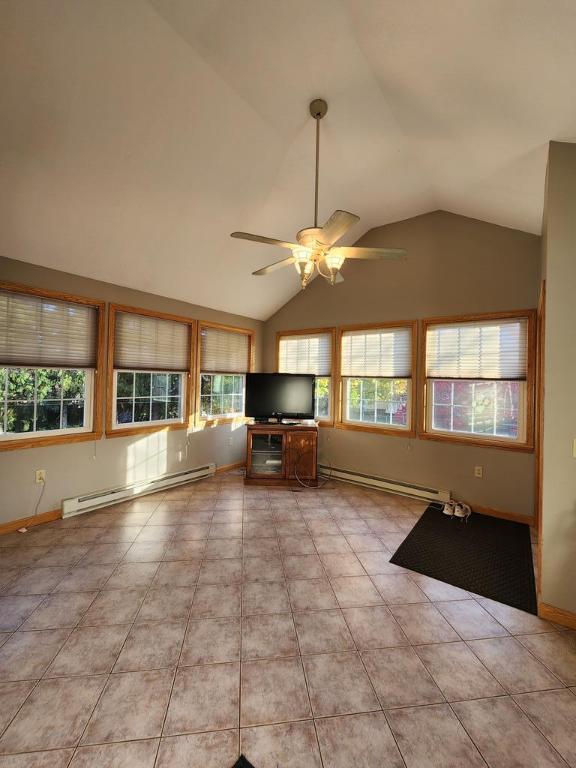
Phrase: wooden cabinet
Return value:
(279, 454)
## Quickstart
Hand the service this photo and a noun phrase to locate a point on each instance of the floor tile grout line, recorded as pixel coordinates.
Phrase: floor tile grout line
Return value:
(534, 658)
(312, 715)
(535, 724)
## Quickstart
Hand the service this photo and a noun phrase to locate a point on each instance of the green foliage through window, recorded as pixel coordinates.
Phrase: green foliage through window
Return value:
(34, 400)
(221, 395)
(148, 396)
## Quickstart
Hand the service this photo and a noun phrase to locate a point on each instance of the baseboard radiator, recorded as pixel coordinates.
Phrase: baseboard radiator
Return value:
(384, 484)
(80, 504)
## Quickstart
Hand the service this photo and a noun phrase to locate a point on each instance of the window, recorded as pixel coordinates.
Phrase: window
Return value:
(225, 358)
(39, 400)
(376, 371)
(145, 396)
(310, 352)
(477, 385)
(49, 357)
(151, 362)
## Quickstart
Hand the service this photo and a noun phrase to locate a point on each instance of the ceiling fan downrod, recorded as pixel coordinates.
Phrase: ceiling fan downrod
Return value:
(318, 109)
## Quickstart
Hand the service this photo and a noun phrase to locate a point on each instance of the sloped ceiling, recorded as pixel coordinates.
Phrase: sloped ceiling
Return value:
(137, 134)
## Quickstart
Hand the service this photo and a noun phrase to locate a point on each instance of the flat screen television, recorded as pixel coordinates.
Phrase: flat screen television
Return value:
(279, 395)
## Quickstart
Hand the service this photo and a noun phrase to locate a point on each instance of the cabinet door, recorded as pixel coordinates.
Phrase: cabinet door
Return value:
(302, 455)
(265, 454)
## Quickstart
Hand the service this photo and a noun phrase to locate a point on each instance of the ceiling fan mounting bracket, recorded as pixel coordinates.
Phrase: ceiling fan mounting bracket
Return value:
(318, 108)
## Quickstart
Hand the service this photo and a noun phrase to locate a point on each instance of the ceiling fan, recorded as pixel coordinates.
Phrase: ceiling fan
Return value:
(315, 247)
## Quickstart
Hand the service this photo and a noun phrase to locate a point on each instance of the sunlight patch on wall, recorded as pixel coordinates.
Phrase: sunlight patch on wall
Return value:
(147, 458)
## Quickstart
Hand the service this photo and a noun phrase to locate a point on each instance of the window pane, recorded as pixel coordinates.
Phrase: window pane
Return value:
(227, 384)
(238, 384)
(73, 384)
(20, 417)
(174, 383)
(205, 405)
(488, 408)
(462, 392)
(442, 417)
(48, 385)
(159, 384)
(72, 414)
(322, 393)
(124, 384)
(142, 409)
(443, 392)
(173, 408)
(124, 411)
(158, 409)
(48, 415)
(206, 384)
(20, 384)
(143, 384)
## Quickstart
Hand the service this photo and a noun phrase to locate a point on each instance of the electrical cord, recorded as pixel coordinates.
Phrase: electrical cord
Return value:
(39, 498)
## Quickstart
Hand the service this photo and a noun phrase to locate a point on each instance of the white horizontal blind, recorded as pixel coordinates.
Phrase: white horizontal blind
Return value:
(493, 349)
(224, 351)
(379, 352)
(150, 343)
(44, 332)
(310, 353)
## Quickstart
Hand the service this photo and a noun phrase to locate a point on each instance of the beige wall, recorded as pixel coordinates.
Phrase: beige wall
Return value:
(558, 585)
(79, 468)
(455, 265)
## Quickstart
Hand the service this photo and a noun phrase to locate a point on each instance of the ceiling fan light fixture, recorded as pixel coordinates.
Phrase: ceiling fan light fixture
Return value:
(334, 261)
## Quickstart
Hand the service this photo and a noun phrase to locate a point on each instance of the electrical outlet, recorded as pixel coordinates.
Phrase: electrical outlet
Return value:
(478, 471)
(40, 475)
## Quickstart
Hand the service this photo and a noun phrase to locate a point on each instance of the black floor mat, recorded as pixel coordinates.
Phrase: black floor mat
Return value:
(486, 555)
(242, 763)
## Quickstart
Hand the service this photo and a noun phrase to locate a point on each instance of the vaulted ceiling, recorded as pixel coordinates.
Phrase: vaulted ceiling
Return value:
(137, 134)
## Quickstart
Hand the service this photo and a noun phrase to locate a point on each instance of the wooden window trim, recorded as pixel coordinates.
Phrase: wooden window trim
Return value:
(187, 421)
(424, 434)
(210, 423)
(305, 332)
(97, 394)
(375, 429)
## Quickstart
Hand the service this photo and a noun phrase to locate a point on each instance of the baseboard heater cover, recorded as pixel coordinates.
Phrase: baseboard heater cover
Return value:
(385, 484)
(80, 504)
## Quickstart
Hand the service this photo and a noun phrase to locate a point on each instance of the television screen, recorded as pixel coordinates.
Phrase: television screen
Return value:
(280, 395)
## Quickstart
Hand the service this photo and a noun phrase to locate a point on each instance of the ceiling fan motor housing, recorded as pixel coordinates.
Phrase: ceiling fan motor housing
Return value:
(311, 238)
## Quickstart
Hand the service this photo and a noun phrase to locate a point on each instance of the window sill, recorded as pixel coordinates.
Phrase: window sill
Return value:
(380, 430)
(39, 442)
(505, 445)
(217, 421)
(147, 429)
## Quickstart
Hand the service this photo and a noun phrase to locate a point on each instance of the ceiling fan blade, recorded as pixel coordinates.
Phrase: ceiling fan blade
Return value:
(271, 267)
(337, 225)
(354, 252)
(262, 239)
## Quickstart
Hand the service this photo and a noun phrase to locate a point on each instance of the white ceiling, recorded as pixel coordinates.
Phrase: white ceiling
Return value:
(137, 134)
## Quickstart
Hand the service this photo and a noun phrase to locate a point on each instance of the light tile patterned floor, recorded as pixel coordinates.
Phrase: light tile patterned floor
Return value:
(181, 628)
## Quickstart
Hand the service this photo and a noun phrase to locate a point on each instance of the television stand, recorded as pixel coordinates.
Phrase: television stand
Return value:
(280, 454)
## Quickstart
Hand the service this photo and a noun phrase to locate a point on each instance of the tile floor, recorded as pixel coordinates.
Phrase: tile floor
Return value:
(180, 628)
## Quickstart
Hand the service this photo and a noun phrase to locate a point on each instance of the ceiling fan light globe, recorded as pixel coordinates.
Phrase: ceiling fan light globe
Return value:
(334, 261)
